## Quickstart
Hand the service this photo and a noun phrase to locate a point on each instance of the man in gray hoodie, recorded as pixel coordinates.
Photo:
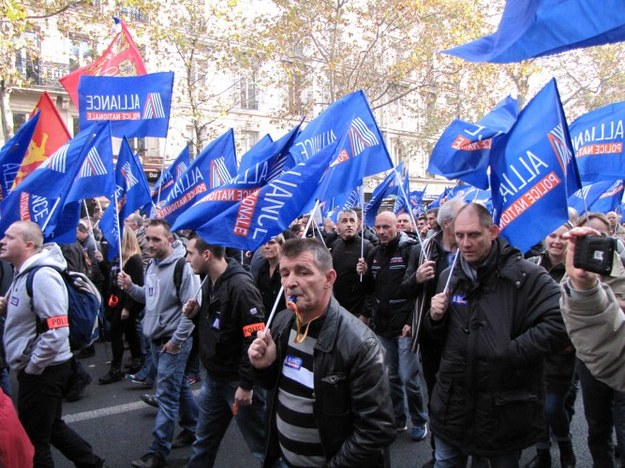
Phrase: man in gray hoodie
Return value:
(170, 335)
(40, 354)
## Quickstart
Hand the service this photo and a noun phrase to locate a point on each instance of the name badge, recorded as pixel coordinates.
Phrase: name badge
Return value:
(15, 300)
(293, 362)
(459, 299)
(151, 290)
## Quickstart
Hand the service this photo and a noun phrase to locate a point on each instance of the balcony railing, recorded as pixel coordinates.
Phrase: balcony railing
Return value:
(42, 73)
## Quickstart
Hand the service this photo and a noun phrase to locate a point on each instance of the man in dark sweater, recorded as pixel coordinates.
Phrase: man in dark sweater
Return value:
(346, 251)
(230, 316)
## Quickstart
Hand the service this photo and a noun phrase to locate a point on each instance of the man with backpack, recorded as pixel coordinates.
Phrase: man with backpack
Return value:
(169, 333)
(40, 354)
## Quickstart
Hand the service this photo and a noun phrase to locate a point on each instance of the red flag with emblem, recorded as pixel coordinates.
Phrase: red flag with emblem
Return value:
(121, 58)
(49, 135)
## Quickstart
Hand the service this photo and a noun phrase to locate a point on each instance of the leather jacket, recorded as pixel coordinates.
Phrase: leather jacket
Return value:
(352, 405)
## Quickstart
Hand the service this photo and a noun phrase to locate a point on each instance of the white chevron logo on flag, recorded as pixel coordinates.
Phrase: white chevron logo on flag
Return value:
(558, 144)
(131, 180)
(93, 165)
(58, 160)
(153, 107)
(219, 173)
(360, 137)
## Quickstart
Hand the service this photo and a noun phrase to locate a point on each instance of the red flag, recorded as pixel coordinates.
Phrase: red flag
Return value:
(50, 134)
(122, 58)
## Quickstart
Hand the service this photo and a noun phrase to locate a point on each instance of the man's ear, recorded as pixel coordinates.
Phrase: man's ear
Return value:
(494, 231)
(330, 277)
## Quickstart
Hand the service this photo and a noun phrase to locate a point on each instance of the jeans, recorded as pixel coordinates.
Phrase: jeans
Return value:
(215, 402)
(5, 381)
(148, 371)
(604, 408)
(448, 456)
(403, 373)
(173, 395)
(39, 403)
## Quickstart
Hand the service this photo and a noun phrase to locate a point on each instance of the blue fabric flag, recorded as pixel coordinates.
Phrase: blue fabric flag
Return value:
(589, 194)
(609, 200)
(463, 150)
(167, 179)
(42, 195)
(416, 202)
(131, 193)
(136, 106)
(344, 201)
(598, 138)
(251, 157)
(533, 172)
(475, 195)
(400, 201)
(535, 28)
(361, 151)
(12, 154)
(268, 210)
(385, 189)
(441, 198)
(271, 164)
(214, 166)
(330, 125)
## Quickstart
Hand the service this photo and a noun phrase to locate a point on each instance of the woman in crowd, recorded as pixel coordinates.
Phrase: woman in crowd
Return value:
(268, 276)
(123, 311)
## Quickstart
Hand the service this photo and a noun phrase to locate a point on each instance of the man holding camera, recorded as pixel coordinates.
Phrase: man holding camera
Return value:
(499, 316)
(594, 320)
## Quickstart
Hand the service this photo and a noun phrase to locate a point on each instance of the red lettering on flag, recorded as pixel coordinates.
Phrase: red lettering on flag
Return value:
(531, 196)
(604, 148)
(464, 144)
(245, 214)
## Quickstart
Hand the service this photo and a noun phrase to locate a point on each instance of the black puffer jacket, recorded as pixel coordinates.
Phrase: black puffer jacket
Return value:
(488, 396)
(388, 266)
(353, 400)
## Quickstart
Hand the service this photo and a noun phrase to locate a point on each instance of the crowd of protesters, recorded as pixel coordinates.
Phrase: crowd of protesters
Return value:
(327, 341)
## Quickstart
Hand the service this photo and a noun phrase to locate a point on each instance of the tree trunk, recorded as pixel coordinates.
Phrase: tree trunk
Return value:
(6, 129)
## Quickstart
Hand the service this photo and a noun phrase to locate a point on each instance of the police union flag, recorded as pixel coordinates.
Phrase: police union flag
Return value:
(533, 172)
(136, 106)
(598, 138)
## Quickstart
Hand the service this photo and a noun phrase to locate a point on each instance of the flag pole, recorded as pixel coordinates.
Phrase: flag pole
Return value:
(362, 224)
(158, 198)
(451, 270)
(45, 224)
(275, 304)
(412, 218)
(119, 232)
(90, 225)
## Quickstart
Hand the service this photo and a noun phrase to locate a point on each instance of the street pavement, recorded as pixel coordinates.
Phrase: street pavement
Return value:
(118, 425)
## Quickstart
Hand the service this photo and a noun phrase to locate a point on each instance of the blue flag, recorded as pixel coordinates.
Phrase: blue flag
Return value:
(463, 150)
(386, 188)
(41, 196)
(400, 200)
(251, 157)
(270, 166)
(344, 201)
(589, 194)
(330, 126)
(598, 138)
(441, 198)
(214, 166)
(533, 172)
(475, 195)
(12, 154)
(269, 210)
(535, 28)
(360, 153)
(96, 175)
(609, 200)
(136, 106)
(167, 179)
(131, 193)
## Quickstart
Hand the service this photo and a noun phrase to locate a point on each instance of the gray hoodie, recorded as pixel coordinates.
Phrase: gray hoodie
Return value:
(24, 348)
(163, 311)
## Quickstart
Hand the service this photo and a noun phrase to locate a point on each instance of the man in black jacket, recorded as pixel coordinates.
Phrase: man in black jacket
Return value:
(346, 251)
(384, 270)
(230, 316)
(330, 403)
(499, 317)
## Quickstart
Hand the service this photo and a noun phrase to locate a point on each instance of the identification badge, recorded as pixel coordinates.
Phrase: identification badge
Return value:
(151, 290)
(293, 362)
(15, 301)
(459, 299)
(216, 324)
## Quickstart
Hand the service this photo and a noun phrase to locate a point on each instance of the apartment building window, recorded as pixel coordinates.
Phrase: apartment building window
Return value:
(247, 88)
(26, 61)
(248, 139)
(137, 145)
(80, 54)
(19, 119)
